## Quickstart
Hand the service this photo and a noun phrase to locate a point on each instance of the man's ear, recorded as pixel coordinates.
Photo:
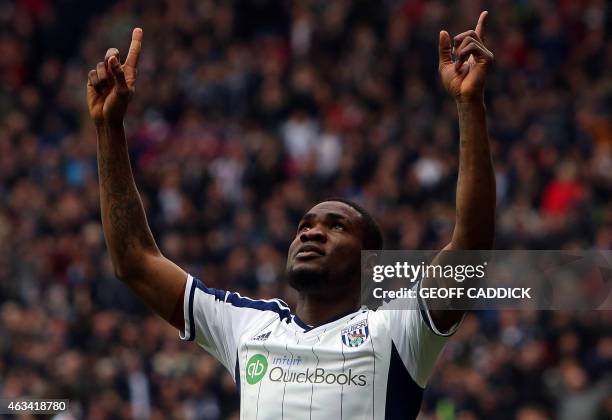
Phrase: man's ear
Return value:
(368, 261)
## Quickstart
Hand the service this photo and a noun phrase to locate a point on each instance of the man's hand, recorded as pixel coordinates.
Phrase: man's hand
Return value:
(464, 78)
(110, 86)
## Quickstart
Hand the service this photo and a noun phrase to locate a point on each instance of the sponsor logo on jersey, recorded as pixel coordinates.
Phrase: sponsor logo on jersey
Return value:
(262, 337)
(356, 334)
(256, 368)
(287, 360)
(317, 376)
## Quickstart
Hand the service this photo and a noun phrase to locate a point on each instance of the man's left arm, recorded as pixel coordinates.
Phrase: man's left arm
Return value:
(464, 79)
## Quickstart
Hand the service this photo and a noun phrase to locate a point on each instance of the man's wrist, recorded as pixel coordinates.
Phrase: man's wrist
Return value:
(105, 124)
(463, 101)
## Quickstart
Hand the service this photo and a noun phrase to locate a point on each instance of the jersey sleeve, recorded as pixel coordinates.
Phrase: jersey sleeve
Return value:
(216, 319)
(416, 337)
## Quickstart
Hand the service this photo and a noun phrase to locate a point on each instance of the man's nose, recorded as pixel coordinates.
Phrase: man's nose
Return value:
(315, 233)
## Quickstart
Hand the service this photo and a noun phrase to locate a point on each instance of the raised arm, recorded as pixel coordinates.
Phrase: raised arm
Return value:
(136, 259)
(464, 79)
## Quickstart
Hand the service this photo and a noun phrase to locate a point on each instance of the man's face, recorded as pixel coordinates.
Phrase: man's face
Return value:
(326, 251)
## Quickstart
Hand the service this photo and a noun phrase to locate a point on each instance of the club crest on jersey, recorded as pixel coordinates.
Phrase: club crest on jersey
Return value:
(356, 334)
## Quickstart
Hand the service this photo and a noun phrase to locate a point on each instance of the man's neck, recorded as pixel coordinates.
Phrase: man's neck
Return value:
(315, 310)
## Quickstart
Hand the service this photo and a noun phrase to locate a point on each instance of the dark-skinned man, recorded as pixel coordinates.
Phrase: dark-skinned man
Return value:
(328, 358)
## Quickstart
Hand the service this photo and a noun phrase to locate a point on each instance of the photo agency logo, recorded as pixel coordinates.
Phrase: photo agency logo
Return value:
(482, 280)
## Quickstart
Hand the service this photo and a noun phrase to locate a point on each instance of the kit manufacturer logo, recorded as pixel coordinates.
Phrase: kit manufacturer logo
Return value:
(262, 337)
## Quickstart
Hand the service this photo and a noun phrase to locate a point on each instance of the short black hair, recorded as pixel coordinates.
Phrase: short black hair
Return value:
(372, 233)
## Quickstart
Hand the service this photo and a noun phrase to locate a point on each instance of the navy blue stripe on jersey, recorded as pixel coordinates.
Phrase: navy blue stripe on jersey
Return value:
(426, 316)
(302, 324)
(238, 301)
(404, 396)
(237, 373)
(190, 310)
(422, 308)
(217, 293)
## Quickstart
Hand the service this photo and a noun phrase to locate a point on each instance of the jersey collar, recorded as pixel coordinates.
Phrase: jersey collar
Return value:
(308, 328)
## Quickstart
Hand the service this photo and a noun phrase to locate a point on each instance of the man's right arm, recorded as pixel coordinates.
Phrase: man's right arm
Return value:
(136, 259)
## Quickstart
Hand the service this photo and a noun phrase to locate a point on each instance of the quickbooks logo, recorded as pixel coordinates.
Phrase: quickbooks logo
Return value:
(317, 376)
(256, 368)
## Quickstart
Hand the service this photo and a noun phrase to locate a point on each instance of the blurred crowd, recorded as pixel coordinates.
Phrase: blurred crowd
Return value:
(246, 113)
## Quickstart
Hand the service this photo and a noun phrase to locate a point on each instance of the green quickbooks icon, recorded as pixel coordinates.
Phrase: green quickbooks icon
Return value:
(256, 368)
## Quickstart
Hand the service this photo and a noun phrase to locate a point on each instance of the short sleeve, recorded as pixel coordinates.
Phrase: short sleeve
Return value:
(216, 319)
(416, 338)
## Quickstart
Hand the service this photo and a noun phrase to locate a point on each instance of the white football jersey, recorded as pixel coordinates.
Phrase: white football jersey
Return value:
(363, 365)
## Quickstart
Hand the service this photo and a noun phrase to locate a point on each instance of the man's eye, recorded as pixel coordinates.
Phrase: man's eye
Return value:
(303, 228)
(338, 226)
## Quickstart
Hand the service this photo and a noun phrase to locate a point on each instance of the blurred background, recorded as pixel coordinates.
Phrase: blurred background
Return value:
(246, 112)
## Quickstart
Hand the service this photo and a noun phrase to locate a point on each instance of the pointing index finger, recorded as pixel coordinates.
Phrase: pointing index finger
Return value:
(134, 52)
(480, 26)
